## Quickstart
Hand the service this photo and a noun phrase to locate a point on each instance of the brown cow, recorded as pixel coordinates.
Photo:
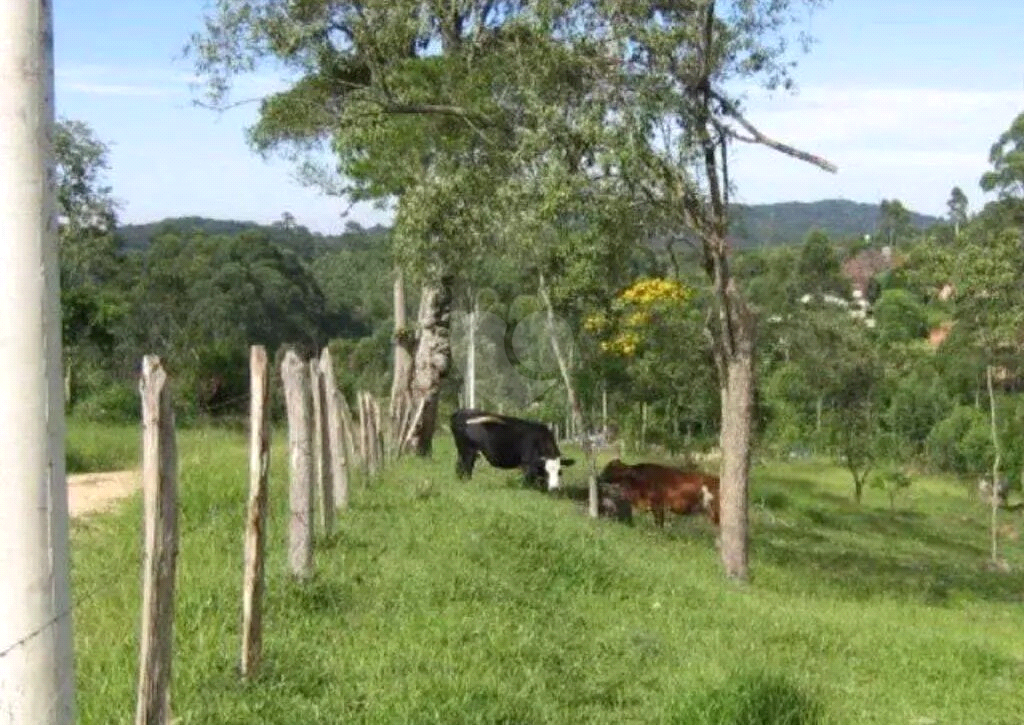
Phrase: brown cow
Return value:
(658, 488)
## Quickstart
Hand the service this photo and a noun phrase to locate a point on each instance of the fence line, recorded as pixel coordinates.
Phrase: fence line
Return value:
(381, 440)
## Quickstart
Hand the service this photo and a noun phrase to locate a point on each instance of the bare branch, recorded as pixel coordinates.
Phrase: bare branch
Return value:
(764, 140)
(222, 107)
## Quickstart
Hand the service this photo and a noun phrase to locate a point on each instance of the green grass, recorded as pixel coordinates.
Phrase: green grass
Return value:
(92, 447)
(481, 602)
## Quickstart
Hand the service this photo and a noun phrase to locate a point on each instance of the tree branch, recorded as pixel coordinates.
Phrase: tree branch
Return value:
(222, 107)
(757, 137)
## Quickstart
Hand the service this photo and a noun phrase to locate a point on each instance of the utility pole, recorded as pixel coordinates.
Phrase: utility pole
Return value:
(37, 684)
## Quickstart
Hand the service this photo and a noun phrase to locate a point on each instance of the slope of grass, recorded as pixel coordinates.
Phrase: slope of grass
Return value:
(480, 602)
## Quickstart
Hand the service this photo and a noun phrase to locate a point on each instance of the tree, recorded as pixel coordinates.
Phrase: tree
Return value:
(90, 265)
(891, 480)
(84, 202)
(818, 266)
(900, 317)
(399, 103)
(894, 224)
(1006, 177)
(200, 301)
(957, 206)
(990, 305)
(679, 61)
(833, 390)
(655, 328)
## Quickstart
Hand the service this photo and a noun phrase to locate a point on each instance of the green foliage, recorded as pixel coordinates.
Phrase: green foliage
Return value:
(114, 402)
(958, 207)
(818, 266)
(786, 223)
(891, 480)
(92, 447)
(894, 222)
(1007, 158)
(200, 302)
(84, 202)
(962, 442)
(91, 272)
(919, 401)
(900, 317)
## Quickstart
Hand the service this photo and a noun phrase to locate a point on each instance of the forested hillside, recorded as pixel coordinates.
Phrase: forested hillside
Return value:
(753, 225)
(788, 222)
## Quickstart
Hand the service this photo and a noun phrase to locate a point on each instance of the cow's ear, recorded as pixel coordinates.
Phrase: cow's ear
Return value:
(568, 461)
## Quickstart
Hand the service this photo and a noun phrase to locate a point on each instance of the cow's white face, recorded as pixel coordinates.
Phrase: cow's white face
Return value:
(553, 467)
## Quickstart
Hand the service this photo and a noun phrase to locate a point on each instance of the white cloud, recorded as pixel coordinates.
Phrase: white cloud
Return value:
(910, 143)
(923, 116)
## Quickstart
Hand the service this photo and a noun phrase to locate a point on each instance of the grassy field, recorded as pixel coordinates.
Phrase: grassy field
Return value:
(94, 447)
(481, 602)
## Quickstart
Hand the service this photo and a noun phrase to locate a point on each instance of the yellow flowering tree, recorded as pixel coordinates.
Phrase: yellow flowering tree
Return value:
(635, 312)
(651, 341)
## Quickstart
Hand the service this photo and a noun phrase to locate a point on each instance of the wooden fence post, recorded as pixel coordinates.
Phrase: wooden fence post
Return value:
(369, 434)
(256, 513)
(295, 375)
(340, 458)
(364, 454)
(352, 450)
(160, 532)
(378, 432)
(321, 449)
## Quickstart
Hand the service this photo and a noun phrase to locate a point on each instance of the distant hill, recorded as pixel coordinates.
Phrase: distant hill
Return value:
(754, 225)
(294, 236)
(788, 222)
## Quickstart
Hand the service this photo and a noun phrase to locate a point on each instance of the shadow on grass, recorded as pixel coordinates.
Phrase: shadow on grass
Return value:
(864, 573)
(902, 524)
(751, 699)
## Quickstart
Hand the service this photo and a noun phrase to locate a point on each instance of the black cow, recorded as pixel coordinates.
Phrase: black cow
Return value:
(507, 442)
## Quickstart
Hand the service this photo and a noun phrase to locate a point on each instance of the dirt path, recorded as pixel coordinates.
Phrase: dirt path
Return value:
(97, 492)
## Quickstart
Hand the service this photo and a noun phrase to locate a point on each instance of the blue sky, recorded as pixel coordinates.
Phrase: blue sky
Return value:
(905, 97)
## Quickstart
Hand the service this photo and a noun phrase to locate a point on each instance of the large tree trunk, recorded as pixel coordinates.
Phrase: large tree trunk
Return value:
(433, 360)
(735, 441)
(404, 347)
(733, 349)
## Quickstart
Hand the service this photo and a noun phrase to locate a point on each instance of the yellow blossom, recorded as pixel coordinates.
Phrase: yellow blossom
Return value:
(648, 290)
